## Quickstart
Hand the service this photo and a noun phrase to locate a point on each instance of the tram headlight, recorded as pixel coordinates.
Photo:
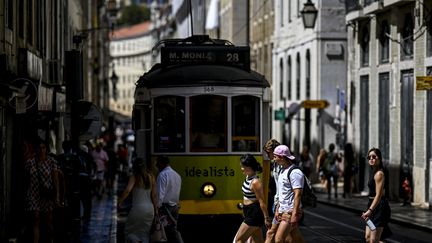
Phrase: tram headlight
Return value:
(208, 189)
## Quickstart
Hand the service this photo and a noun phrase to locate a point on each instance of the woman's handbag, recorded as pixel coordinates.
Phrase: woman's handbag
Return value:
(158, 232)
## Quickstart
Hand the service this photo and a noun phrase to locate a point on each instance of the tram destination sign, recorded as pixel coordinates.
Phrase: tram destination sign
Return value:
(221, 55)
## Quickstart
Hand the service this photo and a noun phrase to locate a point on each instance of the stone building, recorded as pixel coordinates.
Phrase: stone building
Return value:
(309, 64)
(389, 50)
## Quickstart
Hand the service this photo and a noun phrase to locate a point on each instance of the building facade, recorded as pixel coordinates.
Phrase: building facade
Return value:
(390, 46)
(131, 56)
(42, 43)
(309, 64)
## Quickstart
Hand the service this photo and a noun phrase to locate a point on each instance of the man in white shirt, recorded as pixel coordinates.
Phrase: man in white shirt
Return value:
(168, 185)
(290, 187)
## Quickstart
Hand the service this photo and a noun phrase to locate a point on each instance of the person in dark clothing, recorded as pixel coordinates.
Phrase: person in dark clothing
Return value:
(112, 167)
(70, 165)
(378, 208)
(86, 173)
(349, 170)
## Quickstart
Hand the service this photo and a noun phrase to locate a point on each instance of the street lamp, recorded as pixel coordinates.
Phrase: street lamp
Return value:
(114, 79)
(309, 14)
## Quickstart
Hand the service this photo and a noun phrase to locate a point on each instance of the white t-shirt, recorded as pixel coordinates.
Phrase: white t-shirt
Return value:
(285, 188)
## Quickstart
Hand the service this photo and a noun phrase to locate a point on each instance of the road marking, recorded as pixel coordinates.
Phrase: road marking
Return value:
(345, 225)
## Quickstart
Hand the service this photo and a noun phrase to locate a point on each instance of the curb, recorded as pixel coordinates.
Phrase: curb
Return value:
(394, 219)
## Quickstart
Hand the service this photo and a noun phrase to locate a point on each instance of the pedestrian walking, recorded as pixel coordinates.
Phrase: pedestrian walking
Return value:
(289, 211)
(142, 184)
(168, 186)
(320, 167)
(306, 161)
(349, 170)
(86, 173)
(331, 172)
(42, 193)
(269, 147)
(378, 208)
(254, 208)
(70, 165)
(101, 158)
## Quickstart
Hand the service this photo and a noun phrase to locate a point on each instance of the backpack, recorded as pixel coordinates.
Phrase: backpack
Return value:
(329, 166)
(308, 198)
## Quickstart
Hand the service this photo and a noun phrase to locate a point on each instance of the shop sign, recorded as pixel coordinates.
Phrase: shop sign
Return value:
(280, 114)
(424, 83)
(318, 104)
(24, 95)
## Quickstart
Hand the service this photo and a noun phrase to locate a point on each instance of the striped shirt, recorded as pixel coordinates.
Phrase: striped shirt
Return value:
(247, 190)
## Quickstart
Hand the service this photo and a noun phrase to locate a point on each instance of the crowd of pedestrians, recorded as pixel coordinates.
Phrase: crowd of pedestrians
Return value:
(60, 188)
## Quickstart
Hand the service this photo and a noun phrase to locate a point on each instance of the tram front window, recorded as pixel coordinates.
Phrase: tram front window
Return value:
(208, 114)
(245, 129)
(169, 123)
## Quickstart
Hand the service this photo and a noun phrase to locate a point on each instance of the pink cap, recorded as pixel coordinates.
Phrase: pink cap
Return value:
(283, 150)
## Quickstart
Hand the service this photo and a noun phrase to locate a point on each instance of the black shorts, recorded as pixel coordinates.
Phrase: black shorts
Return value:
(253, 216)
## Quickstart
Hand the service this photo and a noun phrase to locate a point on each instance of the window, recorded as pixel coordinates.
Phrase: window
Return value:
(407, 42)
(308, 79)
(20, 19)
(384, 42)
(9, 14)
(429, 37)
(281, 12)
(384, 114)
(281, 96)
(364, 47)
(298, 77)
(289, 77)
(208, 127)
(30, 21)
(429, 119)
(289, 11)
(169, 124)
(245, 124)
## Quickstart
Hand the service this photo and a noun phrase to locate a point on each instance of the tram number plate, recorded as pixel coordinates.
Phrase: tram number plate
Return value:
(209, 89)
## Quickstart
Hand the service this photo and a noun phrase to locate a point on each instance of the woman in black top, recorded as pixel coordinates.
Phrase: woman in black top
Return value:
(378, 207)
(254, 207)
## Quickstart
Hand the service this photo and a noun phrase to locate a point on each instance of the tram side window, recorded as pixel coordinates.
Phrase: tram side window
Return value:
(169, 124)
(246, 123)
(208, 126)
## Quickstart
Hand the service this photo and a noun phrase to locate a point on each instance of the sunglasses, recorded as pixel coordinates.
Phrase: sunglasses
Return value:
(372, 157)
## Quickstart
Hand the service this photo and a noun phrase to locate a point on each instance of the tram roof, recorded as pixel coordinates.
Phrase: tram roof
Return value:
(193, 75)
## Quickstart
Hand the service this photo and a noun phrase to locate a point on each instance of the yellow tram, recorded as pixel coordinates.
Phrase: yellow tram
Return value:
(203, 107)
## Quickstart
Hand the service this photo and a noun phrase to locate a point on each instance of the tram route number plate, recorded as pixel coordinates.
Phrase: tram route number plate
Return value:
(222, 55)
